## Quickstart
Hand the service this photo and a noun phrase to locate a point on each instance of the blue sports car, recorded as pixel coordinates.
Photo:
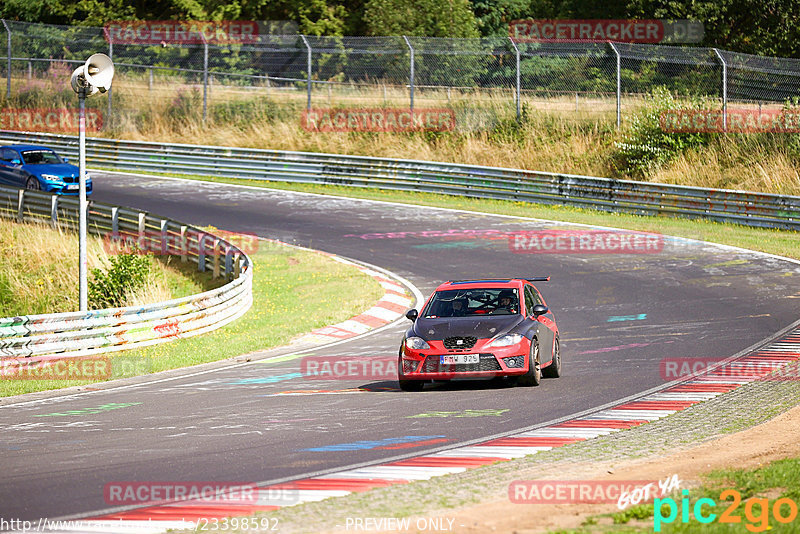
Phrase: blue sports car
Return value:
(39, 168)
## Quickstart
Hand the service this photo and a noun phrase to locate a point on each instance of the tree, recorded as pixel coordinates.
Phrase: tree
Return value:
(431, 18)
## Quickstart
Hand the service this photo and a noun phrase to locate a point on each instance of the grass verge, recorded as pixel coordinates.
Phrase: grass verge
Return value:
(294, 291)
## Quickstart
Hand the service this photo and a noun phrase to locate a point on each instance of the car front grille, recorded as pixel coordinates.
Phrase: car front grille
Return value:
(487, 363)
(70, 179)
(460, 342)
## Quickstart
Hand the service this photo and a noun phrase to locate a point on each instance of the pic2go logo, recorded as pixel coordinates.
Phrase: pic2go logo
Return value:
(756, 511)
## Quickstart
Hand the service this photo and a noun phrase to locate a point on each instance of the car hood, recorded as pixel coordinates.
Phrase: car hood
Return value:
(59, 169)
(480, 327)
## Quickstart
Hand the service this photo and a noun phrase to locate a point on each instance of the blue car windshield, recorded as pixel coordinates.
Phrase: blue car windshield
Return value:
(36, 157)
(472, 303)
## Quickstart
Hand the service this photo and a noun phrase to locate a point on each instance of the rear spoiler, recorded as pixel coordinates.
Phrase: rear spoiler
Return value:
(539, 279)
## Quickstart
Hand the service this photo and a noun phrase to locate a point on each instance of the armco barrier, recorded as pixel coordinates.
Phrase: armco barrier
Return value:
(60, 335)
(741, 207)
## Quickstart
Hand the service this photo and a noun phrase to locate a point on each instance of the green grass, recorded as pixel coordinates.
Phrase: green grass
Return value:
(780, 242)
(294, 291)
(765, 485)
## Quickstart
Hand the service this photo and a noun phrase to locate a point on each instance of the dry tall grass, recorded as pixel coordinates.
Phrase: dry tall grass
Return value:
(558, 135)
(39, 270)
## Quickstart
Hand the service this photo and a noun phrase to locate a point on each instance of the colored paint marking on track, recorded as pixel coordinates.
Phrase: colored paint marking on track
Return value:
(639, 317)
(464, 413)
(387, 443)
(267, 379)
(90, 411)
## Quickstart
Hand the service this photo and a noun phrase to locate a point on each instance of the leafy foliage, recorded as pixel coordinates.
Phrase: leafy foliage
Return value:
(644, 146)
(126, 273)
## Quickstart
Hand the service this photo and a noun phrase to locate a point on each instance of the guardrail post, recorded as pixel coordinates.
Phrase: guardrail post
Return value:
(54, 211)
(724, 89)
(163, 227)
(184, 259)
(237, 265)
(619, 83)
(141, 228)
(20, 204)
(308, 66)
(8, 64)
(115, 221)
(228, 260)
(201, 252)
(410, 73)
(517, 94)
(215, 259)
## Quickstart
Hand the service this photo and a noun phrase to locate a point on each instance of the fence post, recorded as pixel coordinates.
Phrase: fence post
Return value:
(619, 83)
(411, 73)
(205, 77)
(308, 66)
(8, 65)
(108, 120)
(517, 96)
(724, 89)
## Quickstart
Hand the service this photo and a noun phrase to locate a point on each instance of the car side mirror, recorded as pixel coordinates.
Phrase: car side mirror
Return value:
(412, 315)
(16, 162)
(540, 309)
(66, 160)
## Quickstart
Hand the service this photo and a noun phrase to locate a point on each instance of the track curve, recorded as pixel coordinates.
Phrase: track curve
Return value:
(619, 315)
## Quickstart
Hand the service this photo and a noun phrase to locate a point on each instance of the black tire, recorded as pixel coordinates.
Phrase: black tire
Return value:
(534, 375)
(411, 385)
(32, 184)
(554, 369)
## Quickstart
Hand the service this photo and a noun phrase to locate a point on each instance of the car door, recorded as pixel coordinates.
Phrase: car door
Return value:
(6, 167)
(16, 175)
(546, 324)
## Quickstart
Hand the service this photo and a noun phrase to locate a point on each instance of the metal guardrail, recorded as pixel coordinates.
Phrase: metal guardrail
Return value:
(642, 198)
(75, 334)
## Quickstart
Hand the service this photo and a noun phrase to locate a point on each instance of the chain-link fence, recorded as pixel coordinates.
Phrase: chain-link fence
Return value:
(294, 72)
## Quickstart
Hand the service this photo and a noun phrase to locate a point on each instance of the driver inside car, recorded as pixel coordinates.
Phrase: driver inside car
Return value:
(507, 302)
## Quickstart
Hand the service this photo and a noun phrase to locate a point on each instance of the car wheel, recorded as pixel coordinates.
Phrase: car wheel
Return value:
(32, 184)
(554, 369)
(534, 374)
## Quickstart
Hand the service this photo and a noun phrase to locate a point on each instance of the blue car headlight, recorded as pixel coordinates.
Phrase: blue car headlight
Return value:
(506, 340)
(51, 177)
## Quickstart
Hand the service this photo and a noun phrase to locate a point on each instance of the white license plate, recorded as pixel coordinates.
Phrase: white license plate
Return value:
(459, 358)
(73, 187)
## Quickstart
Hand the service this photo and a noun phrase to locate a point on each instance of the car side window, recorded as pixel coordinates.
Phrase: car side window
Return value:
(530, 300)
(7, 155)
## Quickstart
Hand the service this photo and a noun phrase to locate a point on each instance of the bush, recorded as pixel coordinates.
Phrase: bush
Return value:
(644, 146)
(126, 274)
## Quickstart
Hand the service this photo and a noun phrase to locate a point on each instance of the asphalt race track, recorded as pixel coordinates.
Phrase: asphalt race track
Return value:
(620, 315)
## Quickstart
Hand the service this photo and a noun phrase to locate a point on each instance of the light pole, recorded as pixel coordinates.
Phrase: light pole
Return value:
(95, 75)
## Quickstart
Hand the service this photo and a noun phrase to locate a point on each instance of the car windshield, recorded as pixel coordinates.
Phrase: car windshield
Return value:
(35, 157)
(472, 302)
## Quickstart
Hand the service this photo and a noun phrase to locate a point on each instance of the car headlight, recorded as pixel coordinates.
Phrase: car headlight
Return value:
(416, 343)
(51, 178)
(506, 340)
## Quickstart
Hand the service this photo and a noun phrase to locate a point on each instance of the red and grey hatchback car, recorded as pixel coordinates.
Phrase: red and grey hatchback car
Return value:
(481, 329)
